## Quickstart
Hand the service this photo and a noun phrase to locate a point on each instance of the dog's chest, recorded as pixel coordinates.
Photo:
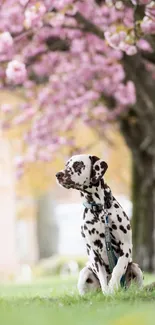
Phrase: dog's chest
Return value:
(93, 231)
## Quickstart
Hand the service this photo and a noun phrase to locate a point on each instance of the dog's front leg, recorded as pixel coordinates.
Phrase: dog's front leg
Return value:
(100, 270)
(119, 270)
(102, 276)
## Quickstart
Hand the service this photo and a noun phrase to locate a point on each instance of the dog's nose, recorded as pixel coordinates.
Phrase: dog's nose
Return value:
(59, 175)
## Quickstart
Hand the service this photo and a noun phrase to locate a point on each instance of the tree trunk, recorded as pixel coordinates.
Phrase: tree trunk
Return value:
(143, 222)
(138, 128)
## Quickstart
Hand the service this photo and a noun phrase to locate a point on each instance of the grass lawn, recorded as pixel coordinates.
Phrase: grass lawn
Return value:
(56, 301)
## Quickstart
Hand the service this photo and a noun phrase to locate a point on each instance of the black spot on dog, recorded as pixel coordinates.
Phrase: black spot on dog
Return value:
(90, 222)
(116, 205)
(98, 243)
(129, 250)
(121, 252)
(119, 218)
(96, 194)
(87, 251)
(95, 219)
(85, 187)
(128, 227)
(102, 219)
(93, 231)
(89, 280)
(125, 215)
(114, 227)
(107, 268)
(127, 255)
(122, 229)
(113, 242)
(97, 168)
(82, 194)
(84, 214)
(116, 249)
(89, 232)
(97, 268)
(102, 235)
(85, 227)
(82, 233)
(78, 166)
(112, 235)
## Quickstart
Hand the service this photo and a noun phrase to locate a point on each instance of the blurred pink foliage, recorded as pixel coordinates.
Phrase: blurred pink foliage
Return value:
(73, 49)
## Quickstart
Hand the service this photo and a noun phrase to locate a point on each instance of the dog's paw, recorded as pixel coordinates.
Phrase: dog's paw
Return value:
(112, 288)
(105, 291)
(111, 291)
(82, 291)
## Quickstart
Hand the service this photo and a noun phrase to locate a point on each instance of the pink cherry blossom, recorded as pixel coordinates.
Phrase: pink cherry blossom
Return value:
(125, 94)
(144, 45)
(148, 26)
(26, 116)
(119, 40)
(11, 17)
(34, 14)
(57, 20)
(61, 4)
(115, 39)
(6, 108)
(68, 70)
(130, 50)
(23, 2)
(16, 72)
(142, 2)
(6, 42)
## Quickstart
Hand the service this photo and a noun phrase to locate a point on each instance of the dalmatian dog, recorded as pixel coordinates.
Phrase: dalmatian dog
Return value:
(85, 174)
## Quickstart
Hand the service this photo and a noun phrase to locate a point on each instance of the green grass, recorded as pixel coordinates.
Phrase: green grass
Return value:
(56, 301)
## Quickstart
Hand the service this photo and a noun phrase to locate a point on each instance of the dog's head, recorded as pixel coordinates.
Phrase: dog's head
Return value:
(81, 172)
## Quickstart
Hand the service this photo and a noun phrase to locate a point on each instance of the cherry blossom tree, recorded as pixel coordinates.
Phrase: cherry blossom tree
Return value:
(91, 60)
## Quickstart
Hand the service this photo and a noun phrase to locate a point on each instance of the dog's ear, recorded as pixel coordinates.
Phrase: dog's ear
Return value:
(99, 168)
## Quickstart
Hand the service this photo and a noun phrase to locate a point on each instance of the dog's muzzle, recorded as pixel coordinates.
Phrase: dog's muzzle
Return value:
(63, 180)
(60, 176)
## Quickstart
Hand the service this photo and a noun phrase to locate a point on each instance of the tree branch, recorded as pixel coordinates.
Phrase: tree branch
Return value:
(54, 44)
(148, 56)
(88, 26)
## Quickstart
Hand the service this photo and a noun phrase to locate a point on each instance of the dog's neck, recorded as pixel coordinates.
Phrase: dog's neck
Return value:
(94, 193)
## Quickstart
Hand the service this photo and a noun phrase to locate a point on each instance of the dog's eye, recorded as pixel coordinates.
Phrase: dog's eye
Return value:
(78, 165)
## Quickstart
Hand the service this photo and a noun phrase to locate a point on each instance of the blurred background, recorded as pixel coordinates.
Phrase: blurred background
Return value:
(40, 221)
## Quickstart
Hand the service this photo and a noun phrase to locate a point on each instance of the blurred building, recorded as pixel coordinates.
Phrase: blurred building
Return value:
(8, 248)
